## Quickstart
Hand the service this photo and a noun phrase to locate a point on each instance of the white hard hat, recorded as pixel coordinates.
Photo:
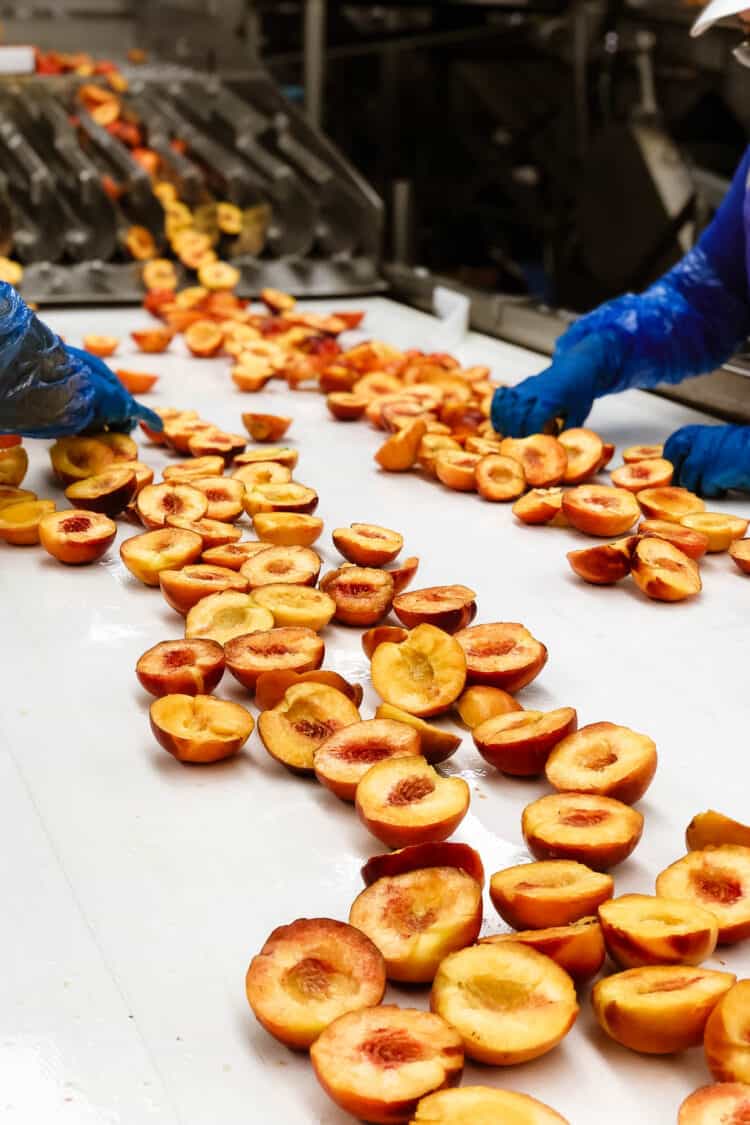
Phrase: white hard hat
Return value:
(717, 10)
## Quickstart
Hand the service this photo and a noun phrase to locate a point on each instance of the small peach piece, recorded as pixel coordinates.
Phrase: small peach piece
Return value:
(424, 675)
(272, 686)
(500, 478)
(262, 472)
(102, 346)
(604, 759)
(694, 544)
(483, 1105)
(178, 432)
(604, 564)
(144, 474)
(363, 595)
(399, 452)
(637, 475)
(75, 536)
(109, 492)
(378, 1063)
(663, 572)
(727, 1039)
(404, 801)
(552, 893)
(578, 948)
(380, 635)
(288, 529)
(543, 457)
(724, 1103)
(232, 554)
(279, 454)
(457, 469)
(343, 759)
(368, 544)
(310, 972)
(585, 451)
(73, 458)
(721, 529)
(447, 607)
(19, 523)
(266, 427)
(308, 714)
(403, 574)
(214, 533)
(649, 930)
(598, 831)
(165, 549)
(669, 503)
(503, 654)
(416, 918)
(740, 552)
(183, 588)
(200, 728)
(224, 496)
(519, 742)
(299, 566)
(294, 605)
(541, 505)
(718, 879)
(508, 1002)
(430, 446)
(635, 453)
(181, 667)
(230, 613)
(480, 703)
(659, 1009)
(185, 471)
(203, 338)
(711, 829)
(290, 497)
(248, 657)
(152, 340)
(156, 502)
(417, 857)
(346, 406)
(600, 510)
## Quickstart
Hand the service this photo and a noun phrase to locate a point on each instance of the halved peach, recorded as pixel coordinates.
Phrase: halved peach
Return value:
(368, 544)
(669, 503)
(711, 829)
(308, 714)
(190, 667)
(598, 831)
(694, 544)
(182, 589)
(740, 553)
(604, 564)
(346, 406)
(637, 475)
(417, 857)
(219, 277)
(608, 453)
(503, 654)
(152, 340)
(224, 496)
(230, 613)
(418, 917)
(203, 338)
(9, 494)
(271, 687)
(108, 492)
(543, 457)
(649, 930)
(214, 533)
(200, 728)
(429, 447)
(718, 879)
(73, 458)
(635, 453)
(483, 1105)
(720, 528)
(436, 744)
(378, 1063)
(232, 554)
(600, 510)
(287, 529)
(290, 497)
(262, 472)
(277, 301)
(539, 506)
(310, 972)
(499, 478)
(481, 702)
(550, 893)
(179, 431)
(156, 502)
(449, 608)
(363, 595)
(184, 471)
(212, 442)
(254, 378)
(399, 452)
(382, 634)
(659, 1009)
(168, 548)
(578, 948)
(423, 675)
(519, 742)
(248, 657)
(508, 1002)
(727, 1037)
(403, 574)
(266, 427)
(75, 536)
(724, 1103)
(343, 759)
(122, 446)
(19, 523)
(296, 565)
(404, 801)
(604, 759)
(585, 450)
(102, 346)
(278, 454)
(457, 469)
(292, 605)
(137, 382)
(663, 572)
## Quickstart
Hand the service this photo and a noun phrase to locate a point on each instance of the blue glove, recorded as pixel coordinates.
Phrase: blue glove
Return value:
(47, 389)
(710, 460)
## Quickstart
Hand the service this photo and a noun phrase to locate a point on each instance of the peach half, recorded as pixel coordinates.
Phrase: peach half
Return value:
(663, 572)
(272, 686)
(739, 551)
(368, 544)
(721, 529)
(182, 589)
(292, 605)
(585, 451)
(266, 427)
(423, 675)
(649, 930)
(711, 829)
(604, 564)
(669, 503)
(417, 857)
(200, 728)
(484, 1105)
(261, 472)
(499, 478)
(648, 473)
(296, 650)
(635, 453)
(224, 496)
(503, 655)
(308, 714)
(213, 533)
(287, 529)
(723, 1103)
(380, 635)
(14, 464)
(692, 543)
(75, 536)
(73, 458)
(281, 454)
(108, 492)
(578, 948)
(540, 506)
(727, 1038)
(345, 757)
(289, 497)
(299, 566)
(436, 744)
(404, 801)
(19, 523)
(717, 879)
(403, 574)
(519, 742)
(168, 548)
(597, 831)
(399, 452)
(543, 457)
(557, 892)
(362, 595)
(227, 614)
(480, 702)
(600, 510)
(457, 469)
(156, 502)
(233, 554)
(190, 667)
(604, 759)
(185, 471)
(449, 608)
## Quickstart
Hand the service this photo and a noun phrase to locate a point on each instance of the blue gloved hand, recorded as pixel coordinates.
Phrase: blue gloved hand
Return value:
(47, 389)
(710, 460)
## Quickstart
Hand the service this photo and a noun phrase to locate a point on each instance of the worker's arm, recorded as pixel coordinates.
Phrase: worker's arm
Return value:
(48, 389)
(687, 323)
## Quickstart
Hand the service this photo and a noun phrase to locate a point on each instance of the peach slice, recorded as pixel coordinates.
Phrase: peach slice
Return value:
(190, 667)
(108, 492)
(499, 478)
(262, 472)
(271, 687)
(740, 553)
(185, 471)
(363, 595)
(585, 451)
(418, 917)
(717, 879)
(168, 548)
(230, 613)
(724, 1103)
(308, 714)
(380, 635)
(727, 1038)
(578, 948)
(604, 564)
(403, 575)
(102, 346)
(152, 340)
(449, 608)
(309, 973)
(520, 742)
(200, 728)
(659, 1009)
(12, 495)
(480, 703)
(694, 544)
(278, 454)
(224, 496)
(508, 1003)
(296, 605)
(399, 452)
(343, 759)
(213, 533)
(541, 505)
(604, 759)
(437, 744)
(600, 510)
(404, 801)
(346, 406)
(75, 536)
(296, 565)
(417, 857)
(484, 1105)
(182, 589)
(233, 555)
(649, 930)
(266, 427)
(156, 502)
(635, 453)
(423, 675)
(297, 650)
(720, 528)
(368, 544)
(598, 831)
(19, 523)
(290, 497)
(663, 572)
(543, 457)
(376, 1064)
(669, 503)
(457, 469)
(503, 655)
(637, 475)
(711, 829)
(73, 458)
(551, 893)
(288, 529)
